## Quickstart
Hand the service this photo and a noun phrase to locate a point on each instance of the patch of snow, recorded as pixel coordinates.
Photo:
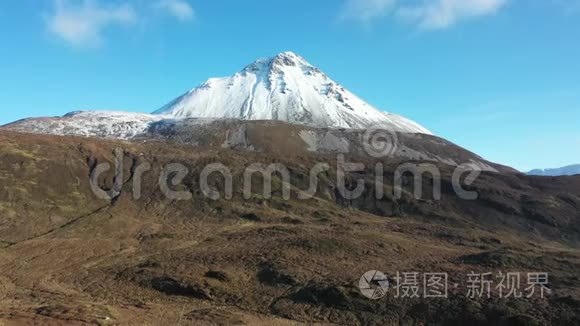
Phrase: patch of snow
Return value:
(310, 138)
(324, 141)
(103, 124)
(236, 138)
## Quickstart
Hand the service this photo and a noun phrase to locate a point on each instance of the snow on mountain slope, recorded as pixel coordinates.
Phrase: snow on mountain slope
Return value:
(286, 88)
(103, 124)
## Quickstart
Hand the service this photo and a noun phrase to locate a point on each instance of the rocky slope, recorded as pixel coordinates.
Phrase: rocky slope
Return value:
(67, 256)
(276, 136)
(282, 138)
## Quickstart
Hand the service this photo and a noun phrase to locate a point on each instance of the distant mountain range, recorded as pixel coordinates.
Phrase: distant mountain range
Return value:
(567, 170)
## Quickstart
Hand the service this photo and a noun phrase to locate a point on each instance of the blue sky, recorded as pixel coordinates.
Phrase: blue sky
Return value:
(499, 77)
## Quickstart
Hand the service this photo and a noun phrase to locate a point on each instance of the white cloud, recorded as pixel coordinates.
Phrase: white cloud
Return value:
(82, 22)
(366, 10)
(180, 9)
(427, 14)
(445, 13)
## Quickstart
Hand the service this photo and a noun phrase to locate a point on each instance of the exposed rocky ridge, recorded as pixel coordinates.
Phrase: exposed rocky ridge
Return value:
(269, 136)
(278, 137)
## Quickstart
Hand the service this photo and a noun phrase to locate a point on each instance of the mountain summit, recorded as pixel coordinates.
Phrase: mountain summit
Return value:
(288, 88)
(284, 88)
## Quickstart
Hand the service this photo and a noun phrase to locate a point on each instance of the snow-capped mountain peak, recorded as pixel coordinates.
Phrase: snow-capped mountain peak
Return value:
(288, 88)
(278, 62)
(284, 87)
